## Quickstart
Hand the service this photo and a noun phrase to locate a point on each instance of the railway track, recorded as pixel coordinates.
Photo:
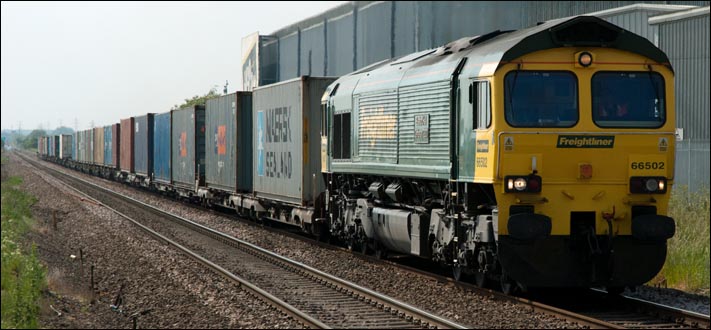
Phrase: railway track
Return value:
(598, 311)
(631, 313)
(314, 298)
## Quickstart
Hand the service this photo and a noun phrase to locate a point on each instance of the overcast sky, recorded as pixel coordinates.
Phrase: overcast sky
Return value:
(107, 61)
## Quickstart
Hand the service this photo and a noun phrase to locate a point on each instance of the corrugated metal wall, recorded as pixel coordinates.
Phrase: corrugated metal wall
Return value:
(636, 21)
(373, 33)
(340, 54)
(686, 42)
(360, 33)
(313, 43)
(288, 57)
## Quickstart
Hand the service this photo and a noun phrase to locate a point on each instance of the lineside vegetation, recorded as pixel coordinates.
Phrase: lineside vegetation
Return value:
(23, 277)
(687, 263)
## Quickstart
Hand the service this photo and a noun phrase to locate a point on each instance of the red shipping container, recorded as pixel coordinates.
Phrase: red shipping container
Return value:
(126, 156)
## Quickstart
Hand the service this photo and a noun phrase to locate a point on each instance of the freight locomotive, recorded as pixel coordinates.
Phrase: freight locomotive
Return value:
(542, 157)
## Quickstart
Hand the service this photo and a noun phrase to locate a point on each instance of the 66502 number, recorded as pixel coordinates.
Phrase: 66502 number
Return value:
(647, 165)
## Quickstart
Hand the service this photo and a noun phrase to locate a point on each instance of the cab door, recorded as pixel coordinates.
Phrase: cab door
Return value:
(473, 119)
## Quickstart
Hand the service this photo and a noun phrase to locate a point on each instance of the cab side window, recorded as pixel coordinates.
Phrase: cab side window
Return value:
(480, 99)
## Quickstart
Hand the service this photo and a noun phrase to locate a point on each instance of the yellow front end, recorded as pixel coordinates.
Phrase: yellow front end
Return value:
(584, 171)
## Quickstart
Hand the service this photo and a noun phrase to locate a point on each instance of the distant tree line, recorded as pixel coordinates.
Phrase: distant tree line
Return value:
(30, 141)
(198, 100)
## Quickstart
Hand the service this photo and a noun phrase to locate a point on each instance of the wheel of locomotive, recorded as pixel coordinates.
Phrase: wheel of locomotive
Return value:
(351, 244)
(458, 272)
(364, 247)
(326, 238)
(615, 290)
(381, 252)
(480, 279)
(508, 286)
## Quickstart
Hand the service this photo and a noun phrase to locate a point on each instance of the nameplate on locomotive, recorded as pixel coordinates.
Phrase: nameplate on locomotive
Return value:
(585, 141)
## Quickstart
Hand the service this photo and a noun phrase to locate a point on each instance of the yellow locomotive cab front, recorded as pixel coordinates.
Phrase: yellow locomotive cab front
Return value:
(585, 164)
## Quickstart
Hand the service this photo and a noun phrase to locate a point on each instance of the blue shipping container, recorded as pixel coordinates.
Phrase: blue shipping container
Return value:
(143, 145)
(161, 147)
(108, 146)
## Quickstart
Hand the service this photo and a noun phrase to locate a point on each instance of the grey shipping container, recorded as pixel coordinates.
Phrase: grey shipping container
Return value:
(99, 145)
(228, 153)
(65, 146)
(143, 145)
(161, 147)
(286, 158)
(108, 147)
(126, 147)
(188, 146)
(77, 146)
(86, 143)
(74, 147)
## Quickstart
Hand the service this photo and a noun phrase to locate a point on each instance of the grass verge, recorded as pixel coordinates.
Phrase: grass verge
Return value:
(687, 264)
(23, 277)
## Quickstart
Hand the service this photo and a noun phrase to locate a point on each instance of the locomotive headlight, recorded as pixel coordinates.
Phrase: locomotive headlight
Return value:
(648, 185)
(585, 59)
(523, 183)
(651, 184)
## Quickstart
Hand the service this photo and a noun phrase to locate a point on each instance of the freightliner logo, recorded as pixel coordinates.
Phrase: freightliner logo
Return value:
(585, 141)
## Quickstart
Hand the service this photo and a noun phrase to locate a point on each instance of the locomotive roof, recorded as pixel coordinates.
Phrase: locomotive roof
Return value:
(504, 46)
(487, 52)
(581, 31)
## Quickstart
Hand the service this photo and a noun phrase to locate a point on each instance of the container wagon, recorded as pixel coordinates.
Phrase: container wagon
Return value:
(66, 146)
(162, 176)
(287, 178)
(143, 148)
(98, 146)
(126, 146)
(228, 153)
(188, 149)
